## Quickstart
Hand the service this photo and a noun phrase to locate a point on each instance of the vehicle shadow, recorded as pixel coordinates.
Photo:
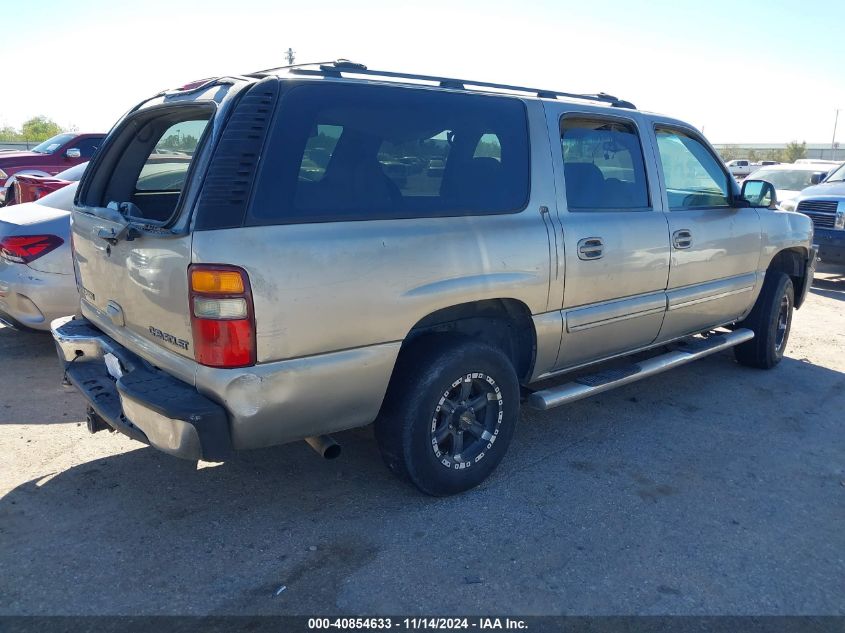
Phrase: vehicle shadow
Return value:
(737, 461)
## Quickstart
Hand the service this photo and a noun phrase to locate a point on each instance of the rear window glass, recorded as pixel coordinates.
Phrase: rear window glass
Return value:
(346, 152)
(148, 163)
(167, 164)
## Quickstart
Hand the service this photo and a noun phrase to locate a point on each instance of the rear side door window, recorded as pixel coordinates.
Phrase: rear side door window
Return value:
(603, 165)
(694, 177)
(354, 152)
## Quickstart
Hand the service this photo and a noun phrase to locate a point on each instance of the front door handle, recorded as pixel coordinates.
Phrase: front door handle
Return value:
(590, 248)
(682, 238)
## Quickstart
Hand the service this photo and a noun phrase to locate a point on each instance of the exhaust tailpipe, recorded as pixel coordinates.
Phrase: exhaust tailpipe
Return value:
(325, 446)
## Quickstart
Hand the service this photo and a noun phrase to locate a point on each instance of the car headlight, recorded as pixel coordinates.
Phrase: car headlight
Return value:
(839, 222)
(787, 205)
(3, 175)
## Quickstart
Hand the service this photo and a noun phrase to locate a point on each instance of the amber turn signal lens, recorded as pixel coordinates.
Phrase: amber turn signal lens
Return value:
(217, 281)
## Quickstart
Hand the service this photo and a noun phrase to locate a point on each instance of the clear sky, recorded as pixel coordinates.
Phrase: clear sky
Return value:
(743, 70)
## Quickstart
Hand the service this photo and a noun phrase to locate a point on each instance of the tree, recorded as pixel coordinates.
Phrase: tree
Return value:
(39, 128)
(9, 134)
(795, 150)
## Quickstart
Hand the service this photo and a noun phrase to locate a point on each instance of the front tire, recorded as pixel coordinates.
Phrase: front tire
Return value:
(771, 321)
(449, 415)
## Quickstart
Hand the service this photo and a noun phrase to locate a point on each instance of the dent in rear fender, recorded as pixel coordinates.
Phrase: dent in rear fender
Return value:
(279, 402)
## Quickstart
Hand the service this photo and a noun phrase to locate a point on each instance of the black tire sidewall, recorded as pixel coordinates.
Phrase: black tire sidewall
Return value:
(784, 286)
(761, 351)
(439, 369)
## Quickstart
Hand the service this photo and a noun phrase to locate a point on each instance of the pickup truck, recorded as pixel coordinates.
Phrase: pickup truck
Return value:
(257, 301)
(46, 159)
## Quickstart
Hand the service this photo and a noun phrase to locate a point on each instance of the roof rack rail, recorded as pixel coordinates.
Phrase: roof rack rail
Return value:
(339, 66)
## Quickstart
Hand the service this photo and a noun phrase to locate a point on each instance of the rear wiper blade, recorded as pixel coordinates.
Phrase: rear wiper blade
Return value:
(128, 232)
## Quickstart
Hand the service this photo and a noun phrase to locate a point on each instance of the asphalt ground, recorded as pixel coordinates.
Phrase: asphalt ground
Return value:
(712, 489)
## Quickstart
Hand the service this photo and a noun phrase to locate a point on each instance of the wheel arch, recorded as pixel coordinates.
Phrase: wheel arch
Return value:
(792, 261)
(505, 323)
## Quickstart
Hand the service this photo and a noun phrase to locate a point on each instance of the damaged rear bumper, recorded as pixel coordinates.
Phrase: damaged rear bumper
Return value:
(138, 400)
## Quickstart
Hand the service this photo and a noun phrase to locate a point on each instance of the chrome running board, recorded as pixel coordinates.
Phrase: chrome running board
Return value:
(592, 384)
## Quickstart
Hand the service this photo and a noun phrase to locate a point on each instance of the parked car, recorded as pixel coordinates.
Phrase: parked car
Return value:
(37, 283)
(741, 167)
(284, 308)
(790, 179)
(48, 158)
(824, 203)
(30, 188)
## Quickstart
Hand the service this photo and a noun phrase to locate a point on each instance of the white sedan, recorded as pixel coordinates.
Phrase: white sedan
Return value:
(37, 283)
(790, 179)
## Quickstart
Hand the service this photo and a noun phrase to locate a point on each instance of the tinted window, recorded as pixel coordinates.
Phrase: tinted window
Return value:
(352, 152)
(88, 146)
(318, 151)
(603, 165)
(694, 177)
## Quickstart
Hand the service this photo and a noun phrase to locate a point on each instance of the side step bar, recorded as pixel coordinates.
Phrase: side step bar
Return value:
(592, 384)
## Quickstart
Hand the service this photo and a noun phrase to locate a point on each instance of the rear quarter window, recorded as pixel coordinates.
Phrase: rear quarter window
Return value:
(357, 152)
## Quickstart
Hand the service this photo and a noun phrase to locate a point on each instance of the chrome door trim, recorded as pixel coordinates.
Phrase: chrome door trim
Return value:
(710, 291)
(595, 315)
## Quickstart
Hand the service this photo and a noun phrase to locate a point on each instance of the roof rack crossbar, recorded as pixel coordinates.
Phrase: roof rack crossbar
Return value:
(335, 69)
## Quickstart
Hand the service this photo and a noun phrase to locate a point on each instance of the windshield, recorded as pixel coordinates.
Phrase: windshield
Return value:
(52, 144)
(790, 179)
(73, 174)
(838, 175)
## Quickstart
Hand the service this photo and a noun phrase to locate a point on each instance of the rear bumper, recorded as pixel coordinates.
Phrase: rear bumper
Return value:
(138, 400)
(30, 298)
(831, 245)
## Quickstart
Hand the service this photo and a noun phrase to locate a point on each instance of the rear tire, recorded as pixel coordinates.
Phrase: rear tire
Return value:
(449, 415)
(770, 320)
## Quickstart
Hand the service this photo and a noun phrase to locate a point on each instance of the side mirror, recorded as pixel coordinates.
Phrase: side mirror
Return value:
(817, 177)
(73, 153)
(759, 193)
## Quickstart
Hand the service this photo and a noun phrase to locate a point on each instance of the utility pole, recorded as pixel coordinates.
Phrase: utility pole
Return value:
(833, 140)
(290, 56)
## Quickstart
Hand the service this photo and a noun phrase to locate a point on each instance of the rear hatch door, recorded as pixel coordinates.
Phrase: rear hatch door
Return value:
(130, 254)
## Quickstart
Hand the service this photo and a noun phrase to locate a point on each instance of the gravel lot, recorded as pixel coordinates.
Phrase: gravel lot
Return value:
(712, 489)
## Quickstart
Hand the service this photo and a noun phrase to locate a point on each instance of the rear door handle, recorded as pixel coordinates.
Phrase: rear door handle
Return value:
(682, 238)
(590, 248)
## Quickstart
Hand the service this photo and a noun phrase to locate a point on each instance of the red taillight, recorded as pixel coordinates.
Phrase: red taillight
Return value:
(222, 318)
(23, 249)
